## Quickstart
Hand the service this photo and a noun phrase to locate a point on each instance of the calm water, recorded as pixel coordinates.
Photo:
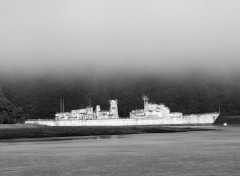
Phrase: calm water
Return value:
(192, 153)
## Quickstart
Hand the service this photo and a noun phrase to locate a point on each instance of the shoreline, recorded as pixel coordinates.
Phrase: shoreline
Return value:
(23, 131)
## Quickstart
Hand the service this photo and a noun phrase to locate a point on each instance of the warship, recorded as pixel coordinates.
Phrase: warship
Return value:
(151, 114)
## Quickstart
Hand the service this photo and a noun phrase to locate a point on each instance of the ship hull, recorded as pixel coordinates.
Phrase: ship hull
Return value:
(193, 119)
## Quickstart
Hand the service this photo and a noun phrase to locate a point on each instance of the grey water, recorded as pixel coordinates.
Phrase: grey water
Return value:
(189, 153)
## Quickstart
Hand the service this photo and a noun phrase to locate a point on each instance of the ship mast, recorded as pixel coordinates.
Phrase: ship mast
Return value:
(62, 106)
(89, 100)
(145, 100)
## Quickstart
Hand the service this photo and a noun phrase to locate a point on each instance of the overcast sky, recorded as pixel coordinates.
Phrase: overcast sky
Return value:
(107, 36)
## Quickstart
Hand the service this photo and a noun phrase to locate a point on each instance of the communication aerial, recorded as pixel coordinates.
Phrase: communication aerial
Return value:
(89, 100)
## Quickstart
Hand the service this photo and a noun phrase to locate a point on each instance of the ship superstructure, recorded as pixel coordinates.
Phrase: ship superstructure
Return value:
(152, 110)
(89, 114)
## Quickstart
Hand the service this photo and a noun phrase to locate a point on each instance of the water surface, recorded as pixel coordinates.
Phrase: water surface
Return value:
(191, 153)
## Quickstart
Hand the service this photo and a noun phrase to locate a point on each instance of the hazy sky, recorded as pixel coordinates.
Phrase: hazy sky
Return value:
(107, 36)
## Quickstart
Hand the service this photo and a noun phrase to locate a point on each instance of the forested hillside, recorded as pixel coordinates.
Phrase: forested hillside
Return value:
(8, 112)
(39, 97)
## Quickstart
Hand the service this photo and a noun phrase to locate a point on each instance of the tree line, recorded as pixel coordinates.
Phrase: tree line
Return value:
(38, 98)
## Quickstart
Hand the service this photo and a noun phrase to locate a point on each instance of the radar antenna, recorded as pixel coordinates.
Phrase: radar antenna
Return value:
(145, 98)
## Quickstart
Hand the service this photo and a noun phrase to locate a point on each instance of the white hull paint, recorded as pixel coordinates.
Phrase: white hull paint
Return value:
(193, 119)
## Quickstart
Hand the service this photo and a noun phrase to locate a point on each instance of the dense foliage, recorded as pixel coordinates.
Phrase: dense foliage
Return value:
(8, 113)
(39, 97)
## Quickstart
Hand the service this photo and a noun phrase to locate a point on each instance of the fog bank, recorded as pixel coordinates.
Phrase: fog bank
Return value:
(105, 37)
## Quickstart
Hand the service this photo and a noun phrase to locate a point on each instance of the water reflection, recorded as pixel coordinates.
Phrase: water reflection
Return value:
(61, 138)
